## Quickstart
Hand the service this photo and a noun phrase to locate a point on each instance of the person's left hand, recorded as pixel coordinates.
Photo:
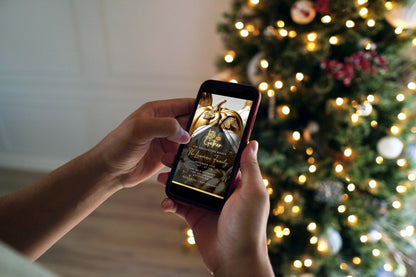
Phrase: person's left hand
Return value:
(132, 152)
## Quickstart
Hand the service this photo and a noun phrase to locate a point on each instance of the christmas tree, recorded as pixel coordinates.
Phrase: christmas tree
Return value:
(335, 128)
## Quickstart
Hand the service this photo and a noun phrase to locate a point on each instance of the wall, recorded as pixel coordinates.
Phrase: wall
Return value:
(71, 70)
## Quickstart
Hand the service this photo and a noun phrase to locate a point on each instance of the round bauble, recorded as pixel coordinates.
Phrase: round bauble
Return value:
(364, 109)
(253, 69)
(303, 12)
(390, 147)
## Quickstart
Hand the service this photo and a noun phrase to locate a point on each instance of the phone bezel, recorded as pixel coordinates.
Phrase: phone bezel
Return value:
(201, 199)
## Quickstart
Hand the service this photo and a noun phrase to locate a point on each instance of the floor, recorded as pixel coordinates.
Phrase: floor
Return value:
(128, 235)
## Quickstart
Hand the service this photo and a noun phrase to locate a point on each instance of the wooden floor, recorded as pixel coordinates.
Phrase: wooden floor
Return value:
(128, 235)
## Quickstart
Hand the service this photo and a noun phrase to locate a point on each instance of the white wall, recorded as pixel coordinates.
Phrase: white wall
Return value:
(71, 70)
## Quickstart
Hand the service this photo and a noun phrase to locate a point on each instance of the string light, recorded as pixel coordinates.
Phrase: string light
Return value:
(401, 116)
(411, 85)
(333, 40)
(394, 130)
(348, 152)
(307, 263)
(398, 30)
(312, 168)
(254, 2)
(376, 252)
(297, 264)
(270, 93)
(233, 81)
(401, 189)
(280, 23)
(263, 86)
(229, 57)
(372, 183)
(309, 151)
(313, 240)
(293, 88)
(351, 187)
(295, 209)
(364, 238)
(356, 260)
(292, 34)
(299, 76)
(379, 160)
(311, 227)
(401, 162)
(278, 84)
(388, 267)
(414, 42)
(326, 19)
(339, 101)
(355, 118)
(371, 23)
(283, 32)
(286, 111)
(239, 25)
(350, 24)
(288, 198)
(302, 179)
(191, 238)
(411, 177)
(322, 246)
(339, 168)
(311, 46)
(352, 219)
(296, 135)
(396, 204)
(370, 98)
(265, 182)
(244, 33)
(388, 5)
(363, 12)
(400, 97)
(361, 2)
(312, 36)
(342, 209)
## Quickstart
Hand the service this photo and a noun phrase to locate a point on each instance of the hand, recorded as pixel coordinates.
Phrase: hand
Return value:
(234, 242)
(132, 152)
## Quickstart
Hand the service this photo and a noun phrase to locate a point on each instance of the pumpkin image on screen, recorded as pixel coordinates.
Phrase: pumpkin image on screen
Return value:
(214, 180)
(217, 115)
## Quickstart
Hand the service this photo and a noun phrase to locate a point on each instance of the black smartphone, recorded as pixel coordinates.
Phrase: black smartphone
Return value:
(220, 127)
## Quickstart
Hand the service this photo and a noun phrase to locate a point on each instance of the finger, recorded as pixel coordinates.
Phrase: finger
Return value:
(162, 178)
(171, 206)
(170, 108)
(251, 177)
(146, 130)
(168, 159)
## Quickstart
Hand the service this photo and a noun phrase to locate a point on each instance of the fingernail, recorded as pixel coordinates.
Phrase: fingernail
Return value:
(185, 137)
(254, 149)
(168, 206)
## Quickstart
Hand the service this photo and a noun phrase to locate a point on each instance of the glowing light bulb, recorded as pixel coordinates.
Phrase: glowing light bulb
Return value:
(372, 183)
(364, 238)
(339, 168)
(363, 12)
(288, 198)
(264, 63)
(326, 19)
(295, 209)
(296, 135)
(244, 33)
(286, 110)
(398, 30)
(361, 2)
(347, 152)
(339, 101)
(302, 179)
(356, 260)
(342, 209)
(400, 97)
(297, 264)
(311, 227)
(411, 177)
(309, 151)
(283, 32)
(239, 25)
(312, 168)
(311, 46)
(388, 5)
(352, 219)
(322, 246)
(370, 98)
(401, 162)
(379, 160)
(401, 189)
(312, 36)
(388, 267)
(265, 182)
(307, 262)
(280, 23)
(411, 85)
(350, 24)
(229, 57)
(376, 252)
(355, 118)
(333, 40)
(401, 116)
(371, 23)
(292, 34)
(351, 187)
(396, 204)
(313, 240)
(254, 2)
(299, 76)
(278, 84)
(263, 86)
(270, 93)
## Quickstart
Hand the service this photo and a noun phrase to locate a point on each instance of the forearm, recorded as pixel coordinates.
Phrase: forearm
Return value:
(35, 217)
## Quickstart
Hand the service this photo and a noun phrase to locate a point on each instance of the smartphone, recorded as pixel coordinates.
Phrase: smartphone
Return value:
(220, 126)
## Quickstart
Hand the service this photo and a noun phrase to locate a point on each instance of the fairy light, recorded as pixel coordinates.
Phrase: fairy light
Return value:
(376, 252)
(307, 262)
(311, 46)
(355, 118)
(296, 135)
(322, 246)
(293, 88)
(313, 240)
(312, 36)
(283, 32)
(352, 219)
(348, 152)
(302, 179)
(372, 183)
(285, 110)
(239, 25)
(398, 30)
(401, 116)
(254, 2)
(270, 93)
(361, 2)
(388, 5)
(333, 40)
(339, 101)
(388, 267)
(264, 63)
(233, 81)
(414, 42)
(411, 177)
(342, 209)
(311, 160)
(311, 227)
(350, 24)
(265, 182)
(326, 19)
(411, 85)
(394, 130)
(312, 168)
(351, 187)
(280, 23)
(250, 28)
(363, 12)
(292, 34)
(295, 209)
(370, 98)
(229, 57)
(343, 266)
(400, 97)
(288, 198)
(339, 168)
(356, 260)
(244, 33)
(309, 151)
(278, 84)
(396, 204)
(263, 86)
(297, 264)
(191, 238)
(379, 160)
(401, 189)
(299, 76)
(364, 238)
(371, 23)
(401, 162)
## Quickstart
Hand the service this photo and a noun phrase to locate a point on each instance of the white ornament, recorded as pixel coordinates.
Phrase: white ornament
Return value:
(365, 109)
(303, 12)
(253, 69)
(334, 240)
(390, 147)
(403, 17)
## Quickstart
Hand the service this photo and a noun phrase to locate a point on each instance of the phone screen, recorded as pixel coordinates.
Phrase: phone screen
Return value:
(206, 163)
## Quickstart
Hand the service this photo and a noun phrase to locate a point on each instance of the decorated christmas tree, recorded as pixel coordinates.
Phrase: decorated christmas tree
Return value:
(336, 128)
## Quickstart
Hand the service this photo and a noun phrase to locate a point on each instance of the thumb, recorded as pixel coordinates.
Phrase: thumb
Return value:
(148, 129)
(249, 167)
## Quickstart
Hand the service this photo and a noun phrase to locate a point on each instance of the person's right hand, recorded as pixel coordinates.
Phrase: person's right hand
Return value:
(234, 242)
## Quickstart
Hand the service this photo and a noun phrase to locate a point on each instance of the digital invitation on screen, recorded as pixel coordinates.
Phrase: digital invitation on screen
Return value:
(206, 162)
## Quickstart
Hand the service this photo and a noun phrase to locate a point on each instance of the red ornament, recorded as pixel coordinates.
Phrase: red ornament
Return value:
(322, 6)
